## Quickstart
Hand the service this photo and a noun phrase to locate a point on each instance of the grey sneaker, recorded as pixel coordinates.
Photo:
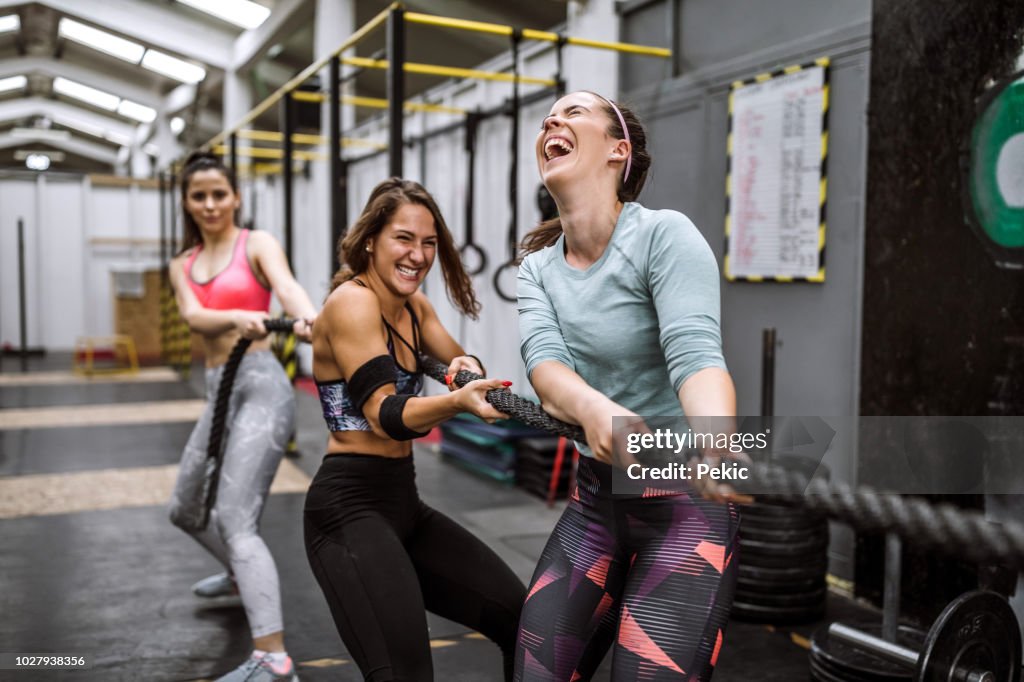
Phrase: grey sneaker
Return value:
(259, 670)
(220, 585)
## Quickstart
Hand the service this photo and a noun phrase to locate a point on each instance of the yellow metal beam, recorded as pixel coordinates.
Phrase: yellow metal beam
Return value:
(304, 138)
(448, 71)
(376, 103)
(268, 153)
(310, 70)
(532, 34)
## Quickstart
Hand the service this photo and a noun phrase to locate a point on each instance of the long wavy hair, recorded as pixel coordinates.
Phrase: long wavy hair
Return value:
(200, 161)
(548, 232)
(385, 200)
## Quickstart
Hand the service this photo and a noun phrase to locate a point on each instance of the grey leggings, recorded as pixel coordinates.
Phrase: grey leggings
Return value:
(261, 415)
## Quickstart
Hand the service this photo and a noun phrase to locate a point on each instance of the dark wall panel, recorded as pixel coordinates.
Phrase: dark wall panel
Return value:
(939, 317)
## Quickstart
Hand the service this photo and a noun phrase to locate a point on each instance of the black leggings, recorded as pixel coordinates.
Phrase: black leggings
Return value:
(382, 557)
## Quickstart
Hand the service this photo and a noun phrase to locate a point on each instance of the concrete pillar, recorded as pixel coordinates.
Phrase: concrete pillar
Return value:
(588, 69)
(122, 164)
(334, 21)
(165, 141)
(237, 97)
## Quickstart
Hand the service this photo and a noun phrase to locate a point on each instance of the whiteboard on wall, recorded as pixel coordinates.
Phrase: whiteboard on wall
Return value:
(776, 183)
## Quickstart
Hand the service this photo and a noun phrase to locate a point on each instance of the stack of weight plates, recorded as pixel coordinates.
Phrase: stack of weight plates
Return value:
(783, 561)
(833, 660)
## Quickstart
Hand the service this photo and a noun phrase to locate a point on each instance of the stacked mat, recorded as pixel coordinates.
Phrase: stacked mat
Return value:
(486, 449)
(535, 458)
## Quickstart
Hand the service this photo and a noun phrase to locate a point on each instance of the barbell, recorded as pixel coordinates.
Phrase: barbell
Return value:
(976, 638)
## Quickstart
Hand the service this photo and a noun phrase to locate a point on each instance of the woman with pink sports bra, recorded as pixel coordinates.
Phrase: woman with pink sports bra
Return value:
(383, 557)
(223, 280)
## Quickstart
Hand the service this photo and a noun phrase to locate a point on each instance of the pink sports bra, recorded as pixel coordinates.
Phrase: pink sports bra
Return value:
(233, 288)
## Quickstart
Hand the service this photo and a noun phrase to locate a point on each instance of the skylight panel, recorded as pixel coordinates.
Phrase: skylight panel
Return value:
(139, 112)
(99, 98)
(242, 13)
(101, 40)
(13, 83)
(172, 67)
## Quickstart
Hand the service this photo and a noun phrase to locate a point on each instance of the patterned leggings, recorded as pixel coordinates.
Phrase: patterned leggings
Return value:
(261, 417)
(652, 574)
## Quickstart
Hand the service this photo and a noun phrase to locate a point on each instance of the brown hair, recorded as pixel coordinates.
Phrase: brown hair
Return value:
(200, 161)
(548, 232)
(385, 200)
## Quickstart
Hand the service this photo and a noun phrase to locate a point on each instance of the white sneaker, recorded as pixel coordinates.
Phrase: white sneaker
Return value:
(220, 585)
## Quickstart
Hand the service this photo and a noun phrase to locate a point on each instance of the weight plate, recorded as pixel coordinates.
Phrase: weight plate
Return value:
(780, 586)
(844, 659)
(816, 570)
(820, 674)
(761, 548)
(821, 669)
(781, 535)
(815, 557)
(976, 632)
(807, 598)
(777, 614)
(995, 149)
(762, 509)
(782, 522)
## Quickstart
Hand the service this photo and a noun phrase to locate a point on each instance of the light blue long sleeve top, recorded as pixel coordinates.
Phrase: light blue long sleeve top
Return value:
(637, 323)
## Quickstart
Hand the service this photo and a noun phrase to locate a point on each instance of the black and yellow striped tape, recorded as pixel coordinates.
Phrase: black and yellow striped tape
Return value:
(819, 275)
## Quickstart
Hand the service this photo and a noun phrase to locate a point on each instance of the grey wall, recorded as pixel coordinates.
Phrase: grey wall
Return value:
(817, 363)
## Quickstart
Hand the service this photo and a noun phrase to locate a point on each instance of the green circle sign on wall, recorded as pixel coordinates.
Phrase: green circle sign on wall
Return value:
(995, 172)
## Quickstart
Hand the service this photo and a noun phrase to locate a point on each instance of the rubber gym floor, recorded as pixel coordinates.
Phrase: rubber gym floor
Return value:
(91, 565)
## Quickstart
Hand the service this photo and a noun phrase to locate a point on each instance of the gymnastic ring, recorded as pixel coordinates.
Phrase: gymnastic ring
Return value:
(497, 281)
(479, 252)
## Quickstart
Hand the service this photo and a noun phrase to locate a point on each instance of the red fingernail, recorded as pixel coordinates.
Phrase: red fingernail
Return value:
(506, 384)
(448, 379)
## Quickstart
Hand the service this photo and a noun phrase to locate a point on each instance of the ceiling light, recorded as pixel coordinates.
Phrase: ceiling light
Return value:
(81, 126)
(116, 138)
(41, 133)
(139, 112)
(37, 162)
(101, 40)
(243, 13)
(103, 100)
(10, 22)
(173, 67)
(22, 154)
(177, 125)
(13, 83)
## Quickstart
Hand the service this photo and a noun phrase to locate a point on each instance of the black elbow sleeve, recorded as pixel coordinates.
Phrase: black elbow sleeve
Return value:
(391, 418)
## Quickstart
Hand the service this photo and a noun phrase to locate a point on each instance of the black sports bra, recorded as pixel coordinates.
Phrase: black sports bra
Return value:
(339, 412)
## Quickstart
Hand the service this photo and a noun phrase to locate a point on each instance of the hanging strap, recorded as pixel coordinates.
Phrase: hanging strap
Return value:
(513, 173)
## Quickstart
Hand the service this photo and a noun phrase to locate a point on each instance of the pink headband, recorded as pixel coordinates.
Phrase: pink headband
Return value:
(625, 131)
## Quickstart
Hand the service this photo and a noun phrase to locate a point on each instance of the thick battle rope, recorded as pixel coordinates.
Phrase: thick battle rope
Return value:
(220, 407)
(942, 528)
(519, 408)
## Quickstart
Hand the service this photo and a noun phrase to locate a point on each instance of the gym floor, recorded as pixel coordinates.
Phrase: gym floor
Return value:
(91, 565)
